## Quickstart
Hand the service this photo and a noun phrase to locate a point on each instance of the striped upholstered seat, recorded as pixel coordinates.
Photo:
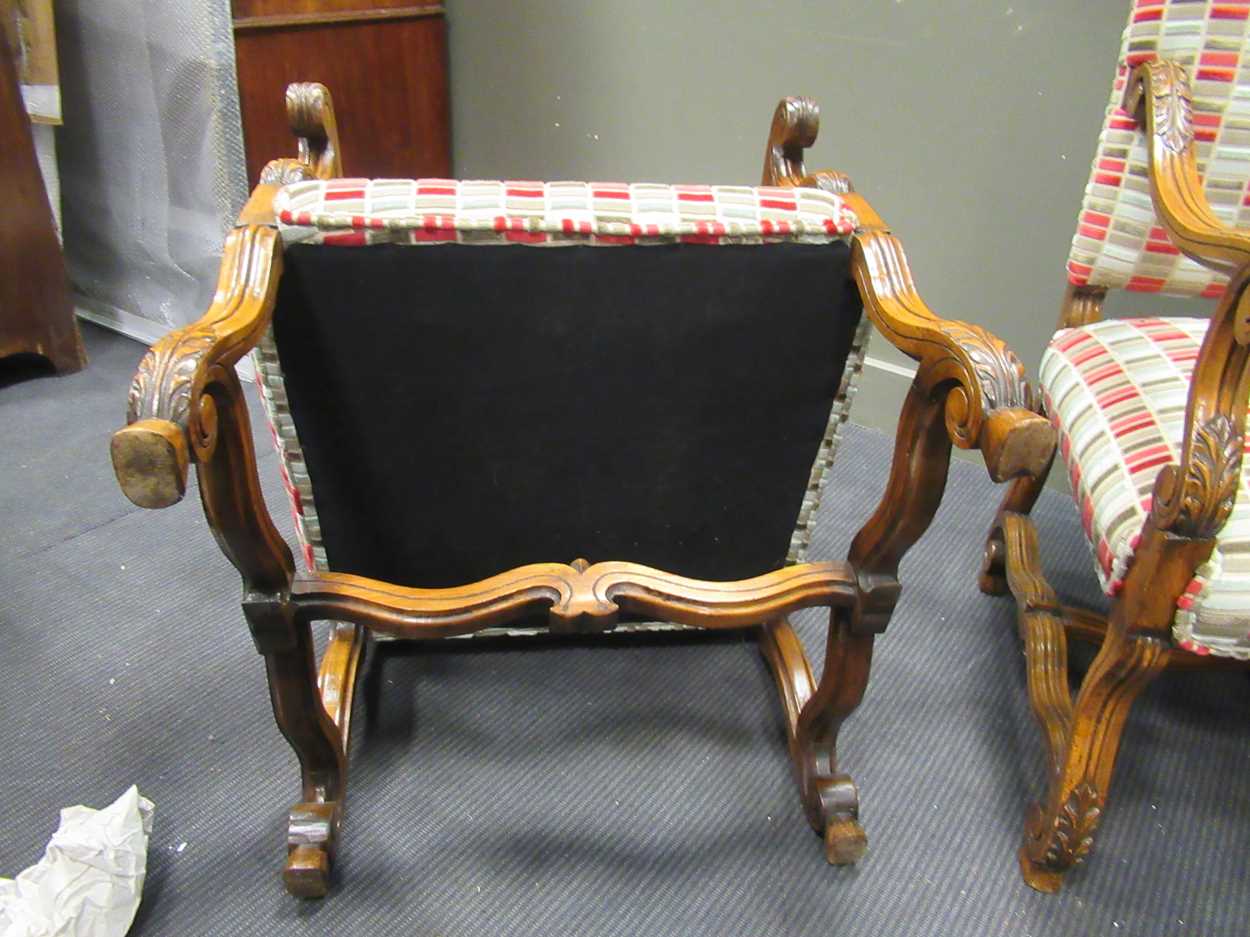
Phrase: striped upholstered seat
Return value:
(1116, 391)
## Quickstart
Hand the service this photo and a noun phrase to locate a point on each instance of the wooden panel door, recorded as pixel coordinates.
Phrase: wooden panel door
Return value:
(384, 61)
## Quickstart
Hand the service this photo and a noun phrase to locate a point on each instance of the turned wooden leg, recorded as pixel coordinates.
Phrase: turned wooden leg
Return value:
(1021, 495)
(313, 825)
(814, 714)
(1082, 739)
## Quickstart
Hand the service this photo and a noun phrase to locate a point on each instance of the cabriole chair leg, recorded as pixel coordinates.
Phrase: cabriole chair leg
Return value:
(1082, 740)
(814, 715)
(313, 824)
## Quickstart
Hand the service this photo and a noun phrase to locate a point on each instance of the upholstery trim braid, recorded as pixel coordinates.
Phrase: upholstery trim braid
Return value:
(1116, 391)
(1119, 242)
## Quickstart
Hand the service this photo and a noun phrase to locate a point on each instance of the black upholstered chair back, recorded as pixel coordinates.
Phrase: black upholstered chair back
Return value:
(462, 410)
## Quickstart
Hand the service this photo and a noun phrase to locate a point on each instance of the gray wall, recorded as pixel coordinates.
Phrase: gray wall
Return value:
(968, 125)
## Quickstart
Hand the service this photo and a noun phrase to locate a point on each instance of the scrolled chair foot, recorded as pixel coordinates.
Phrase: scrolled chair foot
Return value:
(837, 819)
(312, 834)
(845, 841)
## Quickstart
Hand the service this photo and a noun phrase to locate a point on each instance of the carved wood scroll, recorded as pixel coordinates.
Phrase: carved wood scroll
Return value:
(171, 418)
(1195, 498)
(577, 597)
(988, 401)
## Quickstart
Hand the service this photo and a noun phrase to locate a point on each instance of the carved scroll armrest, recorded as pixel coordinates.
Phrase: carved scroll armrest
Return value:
(171, 418)
(1159, 98)
(1192, 500)
(989, 404)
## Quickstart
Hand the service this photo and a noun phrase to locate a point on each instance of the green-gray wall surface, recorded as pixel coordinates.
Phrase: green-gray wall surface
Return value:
(969, 125)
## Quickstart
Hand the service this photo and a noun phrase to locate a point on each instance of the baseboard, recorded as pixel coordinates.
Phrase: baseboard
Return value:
(145, 331)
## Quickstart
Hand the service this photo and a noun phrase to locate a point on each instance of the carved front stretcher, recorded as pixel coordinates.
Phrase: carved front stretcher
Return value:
(526, 406)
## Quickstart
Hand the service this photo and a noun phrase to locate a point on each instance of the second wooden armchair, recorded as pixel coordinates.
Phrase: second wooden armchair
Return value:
(659, 390)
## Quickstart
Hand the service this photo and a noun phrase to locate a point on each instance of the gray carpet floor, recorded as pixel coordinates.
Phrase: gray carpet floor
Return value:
(617, 786)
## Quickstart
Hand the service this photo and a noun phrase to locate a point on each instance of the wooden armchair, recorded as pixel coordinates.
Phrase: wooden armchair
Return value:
(1151, 419)
(662, 385)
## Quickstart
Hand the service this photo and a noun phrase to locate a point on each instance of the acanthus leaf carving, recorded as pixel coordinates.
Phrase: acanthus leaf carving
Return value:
(1074, 827)
(285, 172)
(1196, 498)
(999, 372)
(1173, 105)
(165, 380)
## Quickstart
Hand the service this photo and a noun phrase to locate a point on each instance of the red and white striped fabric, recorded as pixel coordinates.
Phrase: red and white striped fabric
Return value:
(1116, 392)
(1119, 242)
(553, 214)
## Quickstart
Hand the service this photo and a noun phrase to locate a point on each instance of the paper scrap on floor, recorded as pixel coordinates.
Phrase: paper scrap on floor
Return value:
(90, 879)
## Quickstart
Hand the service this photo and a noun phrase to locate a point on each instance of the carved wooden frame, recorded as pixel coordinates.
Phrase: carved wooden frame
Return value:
(1191, 502)
(186, 407)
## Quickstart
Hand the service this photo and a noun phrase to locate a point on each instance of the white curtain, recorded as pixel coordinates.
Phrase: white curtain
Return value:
(151, 156)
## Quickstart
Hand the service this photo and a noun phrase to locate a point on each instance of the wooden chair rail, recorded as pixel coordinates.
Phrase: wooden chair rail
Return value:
(577, 597)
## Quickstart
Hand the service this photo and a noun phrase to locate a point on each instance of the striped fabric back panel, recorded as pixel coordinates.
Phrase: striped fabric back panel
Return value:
(1116, 391)
(1119, 242)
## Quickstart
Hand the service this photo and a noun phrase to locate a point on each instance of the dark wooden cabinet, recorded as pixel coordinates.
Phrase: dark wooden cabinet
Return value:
(36, 312)
(384, 61)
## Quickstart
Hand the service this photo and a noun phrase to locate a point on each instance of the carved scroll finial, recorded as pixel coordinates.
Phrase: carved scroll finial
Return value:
(795, 125)
(310, 113)
(1195, 498)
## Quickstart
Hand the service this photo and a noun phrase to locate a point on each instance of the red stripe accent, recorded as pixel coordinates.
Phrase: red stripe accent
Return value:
(1091, 231)
(1131, 424)
(335, 195)
(1100, 374)
(777, 203)
(695, 197)
(1097, 351)
(524, 193)
(1101, 219)
(1119, 395)
(1107, 178)
(432, 234)
(526, 237)
(1230, 12)
(1071, 340)
(1145, 16)
(1156, 247)
(1146, 284)
(609, 193)
(1218, 58)
(347, 238)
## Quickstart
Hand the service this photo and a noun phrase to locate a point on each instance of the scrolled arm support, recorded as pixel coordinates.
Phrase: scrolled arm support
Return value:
(172, 420)
(1158, 97)
(988, 403)
(1192, 500)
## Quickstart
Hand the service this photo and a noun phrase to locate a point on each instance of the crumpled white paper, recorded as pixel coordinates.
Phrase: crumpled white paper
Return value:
(90, 878)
